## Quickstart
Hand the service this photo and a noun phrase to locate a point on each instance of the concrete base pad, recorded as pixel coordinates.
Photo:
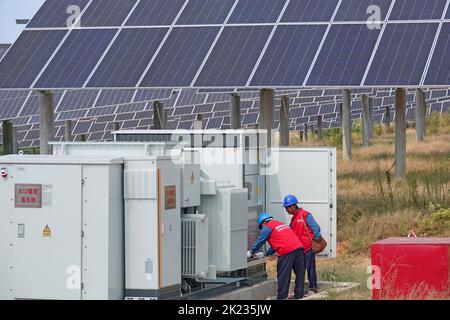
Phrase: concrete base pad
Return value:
(267, 290)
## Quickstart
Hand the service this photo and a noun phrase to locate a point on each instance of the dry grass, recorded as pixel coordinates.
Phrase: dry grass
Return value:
(372, 205)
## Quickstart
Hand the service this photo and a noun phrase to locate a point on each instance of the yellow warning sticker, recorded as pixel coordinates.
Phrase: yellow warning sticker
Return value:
(47, 232)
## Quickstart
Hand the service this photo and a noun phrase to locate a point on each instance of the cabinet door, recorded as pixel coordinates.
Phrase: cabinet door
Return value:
(47, 238)
(310, 175)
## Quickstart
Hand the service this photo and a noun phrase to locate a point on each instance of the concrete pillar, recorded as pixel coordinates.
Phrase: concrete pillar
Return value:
(387, 118)
(166, 120)
(267, 112)
(371, 118)
(346, 124)
(198, 123)
(116, 126)
(301, 135)
(400, 133)
(46, 126)
(68, 130)
(8, 137)
(365, 130)
(421, 111)
(320, 127)
(158, 115)
(284, 121)
(235, 116)
(305, 133)
(14, 141)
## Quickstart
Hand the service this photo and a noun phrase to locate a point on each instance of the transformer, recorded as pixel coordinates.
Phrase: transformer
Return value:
(182, 208)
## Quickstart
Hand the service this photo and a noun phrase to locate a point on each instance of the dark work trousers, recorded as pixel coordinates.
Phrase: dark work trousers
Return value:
(294, 260)
(310, 263)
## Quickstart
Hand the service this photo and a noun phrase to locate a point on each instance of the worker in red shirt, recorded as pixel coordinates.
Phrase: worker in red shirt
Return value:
(306, 228)
(289, 249)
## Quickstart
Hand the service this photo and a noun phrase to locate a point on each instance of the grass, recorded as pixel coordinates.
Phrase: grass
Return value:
(373, 205)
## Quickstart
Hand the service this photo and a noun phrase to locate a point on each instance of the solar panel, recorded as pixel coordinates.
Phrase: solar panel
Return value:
(261, 11)
(180, 57)
(31, 106)
(310, 10)
(344, 56)
(418, 9)
(362, 10)
(438, 71)
(3, 51)
(75, 100)
(205, 12)
(114, 97)
(232, 60)
(56, 13)
(125, 61)
(76, 59)
(152, 94)
(27, 57)
(288, 56)
(403, 54)
(107, 13)
(155, 13)
(10, 103)
(197, 43)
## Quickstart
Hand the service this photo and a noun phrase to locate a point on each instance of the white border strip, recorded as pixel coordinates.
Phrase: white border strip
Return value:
(162, 43)
(269, 40)
(61, 44)
(433, 47)
(325, 36)
(200, 69)
(110, 45)
(377, 44)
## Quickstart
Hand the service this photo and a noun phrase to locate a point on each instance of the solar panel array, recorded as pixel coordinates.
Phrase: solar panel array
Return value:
(232, 44)
(306, 105)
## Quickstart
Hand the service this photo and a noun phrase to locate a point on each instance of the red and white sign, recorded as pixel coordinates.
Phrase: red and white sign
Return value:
(28, 196)
(171, 196)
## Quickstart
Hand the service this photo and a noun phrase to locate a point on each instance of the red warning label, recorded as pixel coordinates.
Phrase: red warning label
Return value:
(28, 196)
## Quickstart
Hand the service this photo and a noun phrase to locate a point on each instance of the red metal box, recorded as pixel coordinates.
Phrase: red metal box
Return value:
(411, 268)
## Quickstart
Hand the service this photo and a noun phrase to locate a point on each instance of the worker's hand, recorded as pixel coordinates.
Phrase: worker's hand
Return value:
(249, 254)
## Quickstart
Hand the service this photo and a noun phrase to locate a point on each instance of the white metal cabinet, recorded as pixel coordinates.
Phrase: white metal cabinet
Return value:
(310, 175)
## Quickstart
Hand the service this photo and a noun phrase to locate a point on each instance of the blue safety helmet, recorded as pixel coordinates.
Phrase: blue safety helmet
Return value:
(263, 217)
(290, 201)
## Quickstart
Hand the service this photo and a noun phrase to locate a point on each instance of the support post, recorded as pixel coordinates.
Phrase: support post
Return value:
(14, 141)
(158, 115)
(68, 130)
(305, 133)
(387, 118)
(166, 120)
(46, 126)
(198, 123)
(366, 123)
(371, 119)
(320, 127)
(116, 126)
(421, 111)
(267, 112)
(235, 105)
(300, 135)
(284, 121)
(400, 133)
(346, 124)
(8, 137)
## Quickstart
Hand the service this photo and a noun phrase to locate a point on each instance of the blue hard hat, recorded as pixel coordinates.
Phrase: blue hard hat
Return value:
(263, 217)
(290, 201)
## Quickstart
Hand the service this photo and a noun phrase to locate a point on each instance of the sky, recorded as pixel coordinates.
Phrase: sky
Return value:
(10, 10)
